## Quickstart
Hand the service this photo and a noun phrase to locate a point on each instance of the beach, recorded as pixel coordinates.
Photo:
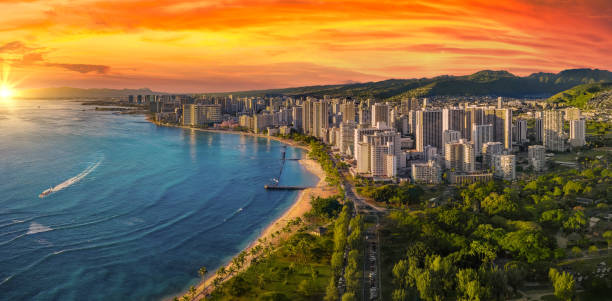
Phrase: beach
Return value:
(270, 233)
(298, 209)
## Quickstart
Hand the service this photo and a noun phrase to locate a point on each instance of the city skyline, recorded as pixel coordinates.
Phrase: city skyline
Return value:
(205, 46)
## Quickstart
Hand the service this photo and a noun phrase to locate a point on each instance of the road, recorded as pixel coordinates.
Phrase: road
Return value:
(366, 209)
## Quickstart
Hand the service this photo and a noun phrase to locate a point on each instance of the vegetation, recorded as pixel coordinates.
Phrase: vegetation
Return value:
(491, 237)
(580, 96)
(485, 82)
(403, 194)
(297, 268)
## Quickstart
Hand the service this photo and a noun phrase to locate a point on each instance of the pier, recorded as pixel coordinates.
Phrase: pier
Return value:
(274, 185)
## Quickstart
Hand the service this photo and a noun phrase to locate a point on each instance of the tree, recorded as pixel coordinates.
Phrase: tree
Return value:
(202, 272)
(498, 204)
(349, 296)
(575, 222)
(553, 218)
(529, 245)
(608, 237)
(516, 273)
(325, 207)
(399, 295)
(331, 292)
(468, 285)
(593, 250)
(571, 188)
(306, 287)
(563, 283)
(192, 291)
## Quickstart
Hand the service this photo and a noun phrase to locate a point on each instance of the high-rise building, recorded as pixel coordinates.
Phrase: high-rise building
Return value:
(362, 155)
(481, 134)
(521, 131)
(364, 116)
(297, 115)
(430, 153)
(504, 167)
(490, 149)
(454, 119)
(459, 156)
(409, 104)
(315, 117)
(473, 116)
(537, 157)
(412, 122)
(428, 172)
(380, 114)
(499, 102)
(538, 129)
(552, 133)
(347, 136)
(347, 110)
(449, 136)
(429, 129)
(577, 132)
(501, 119)
(197, 114)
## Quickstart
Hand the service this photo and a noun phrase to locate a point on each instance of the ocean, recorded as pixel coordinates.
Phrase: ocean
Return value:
(135, 209)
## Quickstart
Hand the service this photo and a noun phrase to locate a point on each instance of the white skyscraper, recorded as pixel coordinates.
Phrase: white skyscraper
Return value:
(429, 129)
(426, 172)
(537, 157)
(552, 132)
(380, 114)
(521, 131)
(481, 134)
(577, 132)
(449, 136)
(490, 149)
(459, 156)
(504, 167)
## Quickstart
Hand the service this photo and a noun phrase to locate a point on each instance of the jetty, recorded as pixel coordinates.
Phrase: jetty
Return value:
(275, 185)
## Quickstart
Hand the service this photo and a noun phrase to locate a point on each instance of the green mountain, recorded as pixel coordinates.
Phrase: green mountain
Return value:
(587, 96)
(486, 82)
(66, 92)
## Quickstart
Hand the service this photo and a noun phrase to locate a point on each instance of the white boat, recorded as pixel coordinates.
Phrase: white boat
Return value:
(46, 193)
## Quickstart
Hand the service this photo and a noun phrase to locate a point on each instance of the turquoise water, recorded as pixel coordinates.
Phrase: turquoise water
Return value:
(136, 208)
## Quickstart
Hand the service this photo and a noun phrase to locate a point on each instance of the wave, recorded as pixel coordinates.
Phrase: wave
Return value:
(37, 228)
(72, 180)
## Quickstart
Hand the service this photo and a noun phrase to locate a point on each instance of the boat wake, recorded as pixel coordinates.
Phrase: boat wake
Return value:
(37, 228)
(71, 181)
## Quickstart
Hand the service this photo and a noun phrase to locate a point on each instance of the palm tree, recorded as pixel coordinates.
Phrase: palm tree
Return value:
(202, 271)
(192, 291)
(221, 272)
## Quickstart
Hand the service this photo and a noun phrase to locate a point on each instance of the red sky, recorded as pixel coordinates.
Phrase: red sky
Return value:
(227, 45)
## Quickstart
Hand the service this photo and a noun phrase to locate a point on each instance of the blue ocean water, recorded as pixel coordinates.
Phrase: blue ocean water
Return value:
(137, 208)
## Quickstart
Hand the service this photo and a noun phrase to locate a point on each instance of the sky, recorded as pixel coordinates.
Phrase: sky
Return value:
(230, 45)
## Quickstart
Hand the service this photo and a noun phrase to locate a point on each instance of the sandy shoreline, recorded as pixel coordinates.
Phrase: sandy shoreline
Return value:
(300, 206)
(298, 209)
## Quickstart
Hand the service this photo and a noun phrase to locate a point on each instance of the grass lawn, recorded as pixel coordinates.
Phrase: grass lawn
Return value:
(283, 276)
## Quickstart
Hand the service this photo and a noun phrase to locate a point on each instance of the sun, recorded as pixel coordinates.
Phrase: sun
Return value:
(6, 92)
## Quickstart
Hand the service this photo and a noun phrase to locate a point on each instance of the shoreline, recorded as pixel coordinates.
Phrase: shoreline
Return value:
(233, 132)
(299, 207)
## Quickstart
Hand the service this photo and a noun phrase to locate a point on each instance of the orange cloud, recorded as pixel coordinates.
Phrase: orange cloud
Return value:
(191, 45)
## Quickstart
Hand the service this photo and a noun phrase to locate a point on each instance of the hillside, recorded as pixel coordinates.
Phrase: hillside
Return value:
(65, 92)
(587, 96)
(486, 82)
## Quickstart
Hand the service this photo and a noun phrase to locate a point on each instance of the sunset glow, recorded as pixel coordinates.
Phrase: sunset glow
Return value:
(205, 46)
